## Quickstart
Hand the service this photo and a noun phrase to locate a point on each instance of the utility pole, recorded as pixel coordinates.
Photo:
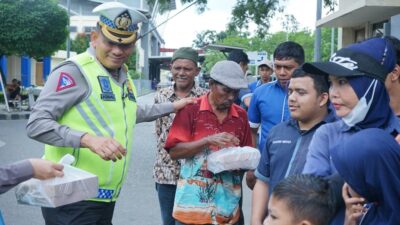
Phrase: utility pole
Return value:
(317, 41)
(332, 40)
(68, 38)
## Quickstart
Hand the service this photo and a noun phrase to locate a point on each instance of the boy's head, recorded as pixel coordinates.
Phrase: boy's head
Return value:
(241, 58)
(308, 97)
(301, 200)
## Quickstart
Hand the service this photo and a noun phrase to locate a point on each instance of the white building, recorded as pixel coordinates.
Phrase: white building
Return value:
(358, 20)
(31, 72)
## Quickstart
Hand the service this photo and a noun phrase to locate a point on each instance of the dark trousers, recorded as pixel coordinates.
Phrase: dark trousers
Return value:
(80, 213)
(166, 198)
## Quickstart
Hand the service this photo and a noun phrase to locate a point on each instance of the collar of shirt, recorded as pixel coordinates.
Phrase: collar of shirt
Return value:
(170, 92)
(206, 106)
(277, 84)
(330, 117)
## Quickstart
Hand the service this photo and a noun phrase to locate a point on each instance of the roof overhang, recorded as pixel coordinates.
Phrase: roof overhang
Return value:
(361, 12)
(128, 3)
(223, 48)
(165, 61)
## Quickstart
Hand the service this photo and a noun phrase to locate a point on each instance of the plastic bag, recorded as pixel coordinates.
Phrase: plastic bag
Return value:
(76, 185)
(233, 158)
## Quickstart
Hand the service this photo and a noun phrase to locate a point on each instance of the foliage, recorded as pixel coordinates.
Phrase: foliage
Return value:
(80, 43)
(131, 62)
(207, 37)
(271, 41)
(211, 58)
(258, 11)
(134, 74)
(164, 5)
(244, 12)
(326, 34)
(35, 28)
(331, 4)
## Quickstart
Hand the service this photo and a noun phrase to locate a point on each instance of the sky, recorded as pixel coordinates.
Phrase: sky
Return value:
(182, 29)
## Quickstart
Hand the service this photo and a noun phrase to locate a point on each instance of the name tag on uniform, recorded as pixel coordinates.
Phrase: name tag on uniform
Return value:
(106, 90)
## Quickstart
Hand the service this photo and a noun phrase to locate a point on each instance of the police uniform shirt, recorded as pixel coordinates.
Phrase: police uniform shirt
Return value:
(52, 104)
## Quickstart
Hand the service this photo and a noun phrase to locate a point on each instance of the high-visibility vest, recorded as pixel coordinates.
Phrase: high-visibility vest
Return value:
(109, 111)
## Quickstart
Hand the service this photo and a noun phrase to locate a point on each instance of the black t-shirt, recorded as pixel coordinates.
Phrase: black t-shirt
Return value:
(15, 92)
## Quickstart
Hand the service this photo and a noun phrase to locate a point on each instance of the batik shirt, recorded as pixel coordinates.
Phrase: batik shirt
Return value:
(166, 170)
(203, 197)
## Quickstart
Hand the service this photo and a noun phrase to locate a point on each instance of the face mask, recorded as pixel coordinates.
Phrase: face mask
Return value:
(361, 109)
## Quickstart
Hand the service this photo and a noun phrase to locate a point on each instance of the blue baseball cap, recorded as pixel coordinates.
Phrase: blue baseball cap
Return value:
(375, 58)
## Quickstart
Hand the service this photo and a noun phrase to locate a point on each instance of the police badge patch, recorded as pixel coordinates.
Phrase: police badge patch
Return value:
(65, 81)
(106, 90)
(123, 21)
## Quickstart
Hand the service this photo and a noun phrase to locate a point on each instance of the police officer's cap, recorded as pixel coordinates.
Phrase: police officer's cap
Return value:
(118, 22)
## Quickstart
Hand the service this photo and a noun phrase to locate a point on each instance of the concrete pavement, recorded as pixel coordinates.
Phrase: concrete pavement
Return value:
(137, 204)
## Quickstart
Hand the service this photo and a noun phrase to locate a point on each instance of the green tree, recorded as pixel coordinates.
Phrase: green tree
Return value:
(268, 44)
(207, 37)
(80, 43)
(165, 5)
(245, 11)
(326, 43)
(212, 57)
(35, 28)
(131, 62)
(258, 11)
(331, 4)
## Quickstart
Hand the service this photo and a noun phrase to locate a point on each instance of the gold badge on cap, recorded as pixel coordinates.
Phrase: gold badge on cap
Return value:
(123, 21)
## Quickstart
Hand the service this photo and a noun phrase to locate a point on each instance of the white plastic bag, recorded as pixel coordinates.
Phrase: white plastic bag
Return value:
(233, 158)
(76, 185)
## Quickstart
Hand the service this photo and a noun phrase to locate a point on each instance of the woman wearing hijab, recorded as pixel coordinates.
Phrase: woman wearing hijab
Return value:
(369, 162)
(357, 92)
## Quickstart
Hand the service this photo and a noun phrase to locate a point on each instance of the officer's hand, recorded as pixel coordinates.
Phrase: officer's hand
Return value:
(223, 139)
(44, 169)
(107, 148)
(183, 102)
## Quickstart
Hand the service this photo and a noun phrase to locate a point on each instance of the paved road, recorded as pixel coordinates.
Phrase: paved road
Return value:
(137, 205)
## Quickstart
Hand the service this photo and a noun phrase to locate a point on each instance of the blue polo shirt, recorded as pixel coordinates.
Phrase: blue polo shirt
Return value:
(254, 85)
(286, 151)
(268, 107)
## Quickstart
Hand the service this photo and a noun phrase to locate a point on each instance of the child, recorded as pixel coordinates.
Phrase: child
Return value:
(302, 200)
(369, 162)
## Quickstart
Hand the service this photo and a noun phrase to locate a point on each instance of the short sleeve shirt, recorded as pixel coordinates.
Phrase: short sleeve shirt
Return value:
(166, 170)
(201, 196)
(286, 151)
(268, 107)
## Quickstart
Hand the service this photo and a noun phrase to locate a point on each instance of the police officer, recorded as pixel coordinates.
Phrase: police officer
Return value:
(88, 109)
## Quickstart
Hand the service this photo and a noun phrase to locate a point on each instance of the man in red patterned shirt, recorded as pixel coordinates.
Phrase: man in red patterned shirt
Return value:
(214, 122)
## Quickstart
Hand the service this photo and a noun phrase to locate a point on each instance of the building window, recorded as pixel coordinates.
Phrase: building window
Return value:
(73, 29)
(378, 29)
(359, 35)
(88, 29)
